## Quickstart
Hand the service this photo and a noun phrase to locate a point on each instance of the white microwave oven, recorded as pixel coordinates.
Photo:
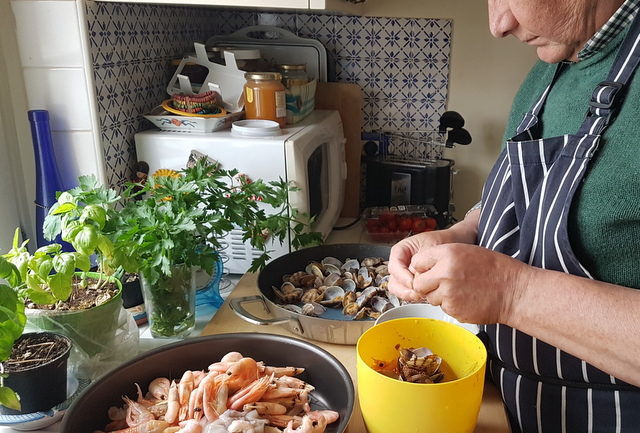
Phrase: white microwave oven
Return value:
(310, 154)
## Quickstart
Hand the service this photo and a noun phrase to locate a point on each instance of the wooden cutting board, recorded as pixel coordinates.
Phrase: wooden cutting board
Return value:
(347, 100)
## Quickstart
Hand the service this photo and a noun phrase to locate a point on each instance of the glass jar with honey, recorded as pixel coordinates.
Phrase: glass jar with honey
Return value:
(265, 97)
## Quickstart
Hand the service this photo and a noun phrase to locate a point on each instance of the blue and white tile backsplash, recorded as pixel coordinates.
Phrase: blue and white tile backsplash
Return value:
(401, 64)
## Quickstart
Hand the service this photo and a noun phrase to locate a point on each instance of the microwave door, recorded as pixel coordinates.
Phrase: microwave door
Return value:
(315, 160)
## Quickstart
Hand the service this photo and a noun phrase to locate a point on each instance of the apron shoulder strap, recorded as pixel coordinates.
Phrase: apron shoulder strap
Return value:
(607, 96)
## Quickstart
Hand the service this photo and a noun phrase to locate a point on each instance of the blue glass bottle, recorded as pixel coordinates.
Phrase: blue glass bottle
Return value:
(47, 177)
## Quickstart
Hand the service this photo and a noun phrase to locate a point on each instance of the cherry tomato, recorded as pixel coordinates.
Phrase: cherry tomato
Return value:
(405, 223)
(373, 226)
(432, 224)
(419, 225)
(387, 217)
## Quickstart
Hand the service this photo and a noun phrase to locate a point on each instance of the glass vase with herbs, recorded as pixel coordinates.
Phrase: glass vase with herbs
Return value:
(171, 225)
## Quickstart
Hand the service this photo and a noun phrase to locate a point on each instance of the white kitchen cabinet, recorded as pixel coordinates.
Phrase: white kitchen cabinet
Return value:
(343, 6)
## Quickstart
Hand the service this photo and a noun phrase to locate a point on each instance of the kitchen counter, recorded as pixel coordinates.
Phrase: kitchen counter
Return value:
(491, 419)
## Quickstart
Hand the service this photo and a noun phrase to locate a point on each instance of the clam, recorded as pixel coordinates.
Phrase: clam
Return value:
(349, 298)
(380, 304)
(348, 285)
(313, 309)
(331, 261)
(331, 279)
(333, 295)
(419, 365)
(370, 262)
(350, 309)
(292, 307)
(366, 296)
(351, 265)
(288, 293)
(312, 295)
(314, 269)
(332, 269)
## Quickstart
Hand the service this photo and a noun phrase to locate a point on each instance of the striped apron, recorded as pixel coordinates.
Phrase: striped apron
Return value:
(526, 202)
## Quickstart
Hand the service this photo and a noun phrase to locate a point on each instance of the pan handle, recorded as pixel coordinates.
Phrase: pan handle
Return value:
(236, 305)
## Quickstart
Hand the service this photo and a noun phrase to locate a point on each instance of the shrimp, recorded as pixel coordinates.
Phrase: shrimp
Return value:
(294, 382)
(214, 397)
(232, 357)
(283, 371)
(173, 404)
(153, 426)
(136, 413)
(329, 415)
(264, 407)
(159, 388)
(308, 425)
(190, 426)
(241, 374)
(250, 393)
(185, 387)
(284, 420)
(195, 404)
(198, 376)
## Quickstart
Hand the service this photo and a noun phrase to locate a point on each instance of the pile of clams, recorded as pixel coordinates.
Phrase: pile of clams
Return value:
(359, 288)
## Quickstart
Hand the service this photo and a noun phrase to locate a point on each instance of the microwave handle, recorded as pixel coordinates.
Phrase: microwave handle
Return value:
(344, 159)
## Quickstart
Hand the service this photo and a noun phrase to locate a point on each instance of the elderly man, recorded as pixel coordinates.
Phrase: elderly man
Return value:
(548, 260)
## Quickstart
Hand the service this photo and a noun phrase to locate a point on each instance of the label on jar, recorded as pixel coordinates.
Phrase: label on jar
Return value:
(281, 104)
(248, 93)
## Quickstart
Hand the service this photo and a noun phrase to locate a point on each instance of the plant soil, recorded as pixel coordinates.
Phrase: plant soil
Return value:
(34, 350)
(96, 292)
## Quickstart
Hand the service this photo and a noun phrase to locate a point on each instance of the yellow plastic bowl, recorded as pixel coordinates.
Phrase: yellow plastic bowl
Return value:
(389, 405)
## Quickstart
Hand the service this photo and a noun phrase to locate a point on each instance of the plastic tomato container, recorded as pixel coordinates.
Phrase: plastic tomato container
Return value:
(393, 223)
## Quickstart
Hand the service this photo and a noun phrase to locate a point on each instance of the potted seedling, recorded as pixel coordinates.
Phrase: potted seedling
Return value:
(33, 366)
(62, 294)
(175, 225)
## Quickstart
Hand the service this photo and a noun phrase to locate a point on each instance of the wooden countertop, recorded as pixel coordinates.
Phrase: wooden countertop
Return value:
(491, 419)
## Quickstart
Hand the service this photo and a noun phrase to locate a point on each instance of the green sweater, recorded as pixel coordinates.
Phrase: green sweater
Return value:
(604, 222)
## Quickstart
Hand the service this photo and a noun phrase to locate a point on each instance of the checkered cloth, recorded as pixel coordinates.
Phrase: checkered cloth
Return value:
(617, 23)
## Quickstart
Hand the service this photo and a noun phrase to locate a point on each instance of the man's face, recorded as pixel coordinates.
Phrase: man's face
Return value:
(557, 28)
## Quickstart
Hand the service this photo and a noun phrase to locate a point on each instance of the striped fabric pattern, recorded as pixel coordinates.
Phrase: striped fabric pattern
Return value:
(617, 23)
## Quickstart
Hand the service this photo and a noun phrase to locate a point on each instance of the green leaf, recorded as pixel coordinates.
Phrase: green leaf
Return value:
(44, 267)
(51, 227)
(64, 207)
(86, 240)
(61, 286)
(105, 245)
(65, 263)
(94, 213)
(70, 231)
(82, 261)
(40, 296)
(9, 398)
(49, 249)
(65, 198)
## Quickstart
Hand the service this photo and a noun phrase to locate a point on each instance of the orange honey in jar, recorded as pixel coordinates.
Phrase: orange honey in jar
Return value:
(264, 97)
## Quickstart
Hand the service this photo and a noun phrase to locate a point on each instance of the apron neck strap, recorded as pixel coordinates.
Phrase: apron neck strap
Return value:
(608, 95)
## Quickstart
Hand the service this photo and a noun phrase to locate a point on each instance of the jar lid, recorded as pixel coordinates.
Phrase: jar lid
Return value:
(256, 128)
(260, 76)
(244, 54)
(297, 67)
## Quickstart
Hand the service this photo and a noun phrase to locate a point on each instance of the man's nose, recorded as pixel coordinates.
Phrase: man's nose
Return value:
(501, 20)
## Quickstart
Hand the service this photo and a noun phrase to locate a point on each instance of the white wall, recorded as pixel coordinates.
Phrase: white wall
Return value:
(485, 74)
(17, 191)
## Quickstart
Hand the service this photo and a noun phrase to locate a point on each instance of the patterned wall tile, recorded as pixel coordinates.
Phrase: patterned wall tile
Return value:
(401, 64)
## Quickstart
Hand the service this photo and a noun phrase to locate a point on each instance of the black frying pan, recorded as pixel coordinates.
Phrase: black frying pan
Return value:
(334, 388)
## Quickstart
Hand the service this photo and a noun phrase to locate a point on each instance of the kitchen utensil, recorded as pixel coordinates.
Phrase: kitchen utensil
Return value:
(391, 405)
(450, 119)
(167, 105)
(337, 328)
(279, 46)
(459, 136)
(333, 386)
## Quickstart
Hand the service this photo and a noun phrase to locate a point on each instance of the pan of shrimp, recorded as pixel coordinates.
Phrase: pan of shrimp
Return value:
(227, 383)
